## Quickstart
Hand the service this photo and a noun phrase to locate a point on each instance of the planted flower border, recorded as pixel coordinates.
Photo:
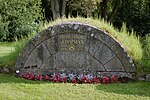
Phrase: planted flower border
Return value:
(62, 77)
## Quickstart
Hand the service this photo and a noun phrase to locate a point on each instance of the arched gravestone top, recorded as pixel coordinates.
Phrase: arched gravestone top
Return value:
(75, 47)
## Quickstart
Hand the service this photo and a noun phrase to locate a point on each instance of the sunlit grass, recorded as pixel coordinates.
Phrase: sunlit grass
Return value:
(6, 48)
(9, 52)
(20, 89)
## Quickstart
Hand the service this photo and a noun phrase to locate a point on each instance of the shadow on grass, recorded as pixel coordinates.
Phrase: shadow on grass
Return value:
(131, 88)
(5, 78)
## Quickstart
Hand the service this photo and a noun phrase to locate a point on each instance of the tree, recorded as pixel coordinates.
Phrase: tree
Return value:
(116, 6)
(136, 15)
(18, 18)
(104, 9)
(58, 8)
(83, 8)
(46, 10)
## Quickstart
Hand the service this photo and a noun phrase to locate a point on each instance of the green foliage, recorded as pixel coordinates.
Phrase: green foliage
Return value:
(146, 53)
(18, 18)
(83, 7)
(17, 88)
(136, 14)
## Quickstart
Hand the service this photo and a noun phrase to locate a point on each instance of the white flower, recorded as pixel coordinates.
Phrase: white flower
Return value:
(17, 71)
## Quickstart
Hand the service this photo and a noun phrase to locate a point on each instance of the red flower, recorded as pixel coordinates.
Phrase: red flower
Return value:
(74, 81)
(84, 79)
(46, 77)
(114, 79)
(28, 76)
(39, 77)
(89, 81)
(56, 78)
(94, 80)
(98, 81)
(105, 80)
(64, 79)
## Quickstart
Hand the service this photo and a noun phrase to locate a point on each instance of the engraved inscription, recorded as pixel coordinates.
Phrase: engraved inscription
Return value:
(71, 42)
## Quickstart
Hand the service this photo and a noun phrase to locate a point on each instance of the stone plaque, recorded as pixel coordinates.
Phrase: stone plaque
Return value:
(71, 42)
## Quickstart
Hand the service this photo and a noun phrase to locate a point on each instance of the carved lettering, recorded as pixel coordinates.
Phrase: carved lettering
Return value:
(71, 42)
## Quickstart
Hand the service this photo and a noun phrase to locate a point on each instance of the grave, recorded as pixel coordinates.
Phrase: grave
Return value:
(73, 47)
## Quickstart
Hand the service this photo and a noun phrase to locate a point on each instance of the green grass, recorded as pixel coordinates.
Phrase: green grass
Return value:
(9, 52)
(146, 53)
(20, 89)
(6, 48)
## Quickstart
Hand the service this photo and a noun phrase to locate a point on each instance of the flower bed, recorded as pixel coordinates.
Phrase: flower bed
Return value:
(74, 78)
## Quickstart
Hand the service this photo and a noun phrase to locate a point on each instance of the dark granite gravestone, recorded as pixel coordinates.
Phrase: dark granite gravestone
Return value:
(75, 47)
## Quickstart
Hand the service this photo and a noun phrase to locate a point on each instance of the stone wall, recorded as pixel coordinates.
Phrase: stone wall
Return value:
(75, 47)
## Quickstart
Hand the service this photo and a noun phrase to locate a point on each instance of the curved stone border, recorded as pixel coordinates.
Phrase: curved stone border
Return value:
(101, 52)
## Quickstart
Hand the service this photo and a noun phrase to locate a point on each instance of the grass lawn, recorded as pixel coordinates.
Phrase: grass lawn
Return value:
(6, 48)
(7, 57)
(20, 89)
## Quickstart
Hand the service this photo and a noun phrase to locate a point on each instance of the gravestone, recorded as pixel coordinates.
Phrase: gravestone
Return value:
(75, 47)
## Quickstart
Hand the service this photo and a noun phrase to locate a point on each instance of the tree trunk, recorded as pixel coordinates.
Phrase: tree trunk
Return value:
(104, 9)
(67, 9)
(117, 5)
(62, 6)
(58, 8)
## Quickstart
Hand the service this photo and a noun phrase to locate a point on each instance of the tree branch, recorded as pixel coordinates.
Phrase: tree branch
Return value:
(117, 5)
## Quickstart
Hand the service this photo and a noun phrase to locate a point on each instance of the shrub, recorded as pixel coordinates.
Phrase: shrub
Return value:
(18, 17)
